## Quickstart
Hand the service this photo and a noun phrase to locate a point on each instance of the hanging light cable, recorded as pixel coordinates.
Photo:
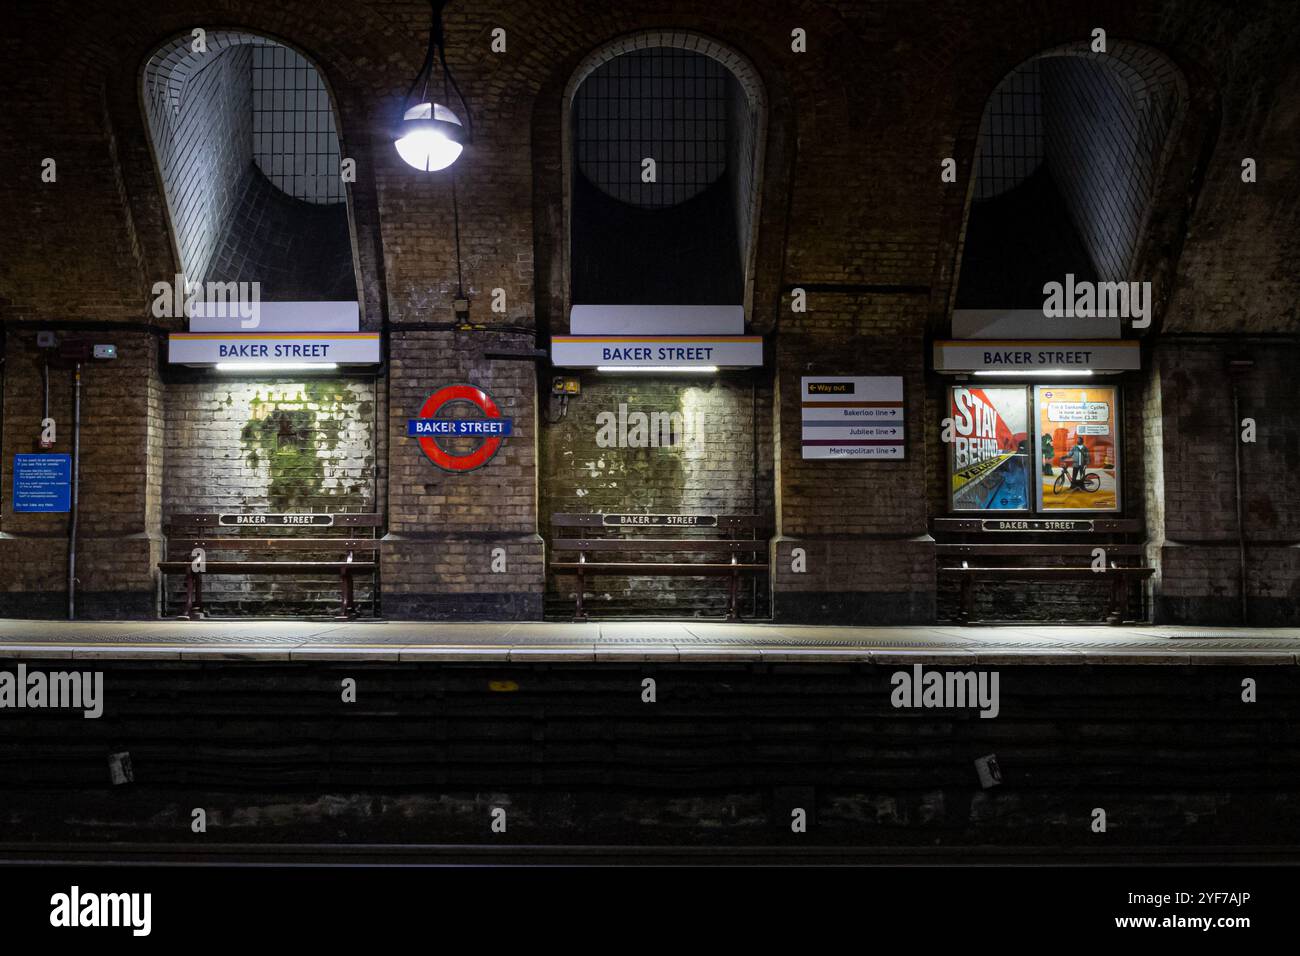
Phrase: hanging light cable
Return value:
(430, 136)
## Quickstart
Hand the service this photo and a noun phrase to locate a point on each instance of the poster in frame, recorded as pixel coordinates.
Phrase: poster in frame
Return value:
(989, 460)
(1077, 442)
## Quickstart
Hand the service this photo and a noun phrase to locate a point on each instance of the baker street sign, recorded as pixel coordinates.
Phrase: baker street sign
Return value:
(660, 521)
(275, 520)
(1036, 524)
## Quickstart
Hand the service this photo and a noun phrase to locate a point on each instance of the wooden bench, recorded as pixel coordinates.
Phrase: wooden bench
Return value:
(994, 549)
(221, 533)
(605, 538)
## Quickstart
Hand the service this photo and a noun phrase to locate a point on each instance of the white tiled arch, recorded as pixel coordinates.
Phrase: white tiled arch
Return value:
(746, 75)
(738, 64)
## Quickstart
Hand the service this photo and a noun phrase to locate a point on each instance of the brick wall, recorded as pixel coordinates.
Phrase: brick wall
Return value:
(444, 526)
(1199, 550)
(852, 208)
(118, 540)
(722, 464)
(280, 445)
(863, 525)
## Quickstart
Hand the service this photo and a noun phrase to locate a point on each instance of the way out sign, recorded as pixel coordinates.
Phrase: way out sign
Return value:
(460, 428)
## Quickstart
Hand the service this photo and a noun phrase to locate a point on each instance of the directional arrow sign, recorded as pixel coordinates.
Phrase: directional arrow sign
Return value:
(827, 431)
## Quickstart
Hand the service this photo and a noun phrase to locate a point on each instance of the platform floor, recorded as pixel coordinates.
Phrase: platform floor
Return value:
(271, 639)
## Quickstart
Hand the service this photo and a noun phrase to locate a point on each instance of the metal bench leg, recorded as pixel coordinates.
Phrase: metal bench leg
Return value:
(1118, 606)
(580, 613)
(193, 596)
(967, 599)
(733, 613)
(189, 594)
(349, 608)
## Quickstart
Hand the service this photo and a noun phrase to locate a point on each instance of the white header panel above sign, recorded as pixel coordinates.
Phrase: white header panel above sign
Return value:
(657, 320)
(272, 349)
(656, 351)
(275, 317)
(1030, 324)
(1030, 356)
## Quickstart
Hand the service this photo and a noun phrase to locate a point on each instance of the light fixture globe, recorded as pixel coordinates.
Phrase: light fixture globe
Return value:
(430, 137)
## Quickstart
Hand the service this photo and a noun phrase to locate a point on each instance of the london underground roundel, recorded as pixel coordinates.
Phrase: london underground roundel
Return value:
(441, 419)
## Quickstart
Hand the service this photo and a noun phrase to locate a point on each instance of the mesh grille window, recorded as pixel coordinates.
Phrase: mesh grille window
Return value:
(1011, 140)
(295, 143)
(664, 104)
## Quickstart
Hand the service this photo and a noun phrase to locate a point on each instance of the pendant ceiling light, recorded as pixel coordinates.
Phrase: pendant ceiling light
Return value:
(430, 136)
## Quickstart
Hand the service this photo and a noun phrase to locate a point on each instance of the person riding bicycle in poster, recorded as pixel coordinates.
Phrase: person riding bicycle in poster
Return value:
(1079, 455)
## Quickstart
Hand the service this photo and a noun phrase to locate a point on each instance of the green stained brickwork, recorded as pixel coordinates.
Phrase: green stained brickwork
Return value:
(294, 432)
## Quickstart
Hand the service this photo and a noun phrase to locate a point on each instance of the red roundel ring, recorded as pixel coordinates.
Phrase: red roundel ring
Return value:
(479, 456)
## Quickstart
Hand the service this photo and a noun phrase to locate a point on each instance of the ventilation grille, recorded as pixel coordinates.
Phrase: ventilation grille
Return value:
(664, 104)
(295, 143)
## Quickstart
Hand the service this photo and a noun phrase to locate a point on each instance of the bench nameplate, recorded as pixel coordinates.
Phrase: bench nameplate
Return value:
(275, 520)
(672, 521)
(1036, 524)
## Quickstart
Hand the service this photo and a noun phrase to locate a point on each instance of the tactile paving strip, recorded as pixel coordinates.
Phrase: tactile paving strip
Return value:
(307, 635)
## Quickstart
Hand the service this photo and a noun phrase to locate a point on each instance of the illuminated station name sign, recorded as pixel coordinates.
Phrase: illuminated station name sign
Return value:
(339, 348)
(973, 355)
(271, 334)
(649, 352)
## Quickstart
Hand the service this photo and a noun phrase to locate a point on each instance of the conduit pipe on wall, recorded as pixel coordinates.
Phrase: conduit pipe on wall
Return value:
(76, 488)
(1237, 368)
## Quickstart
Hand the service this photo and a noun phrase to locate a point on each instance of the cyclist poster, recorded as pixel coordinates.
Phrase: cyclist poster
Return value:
(989, 448)
(1078, 433)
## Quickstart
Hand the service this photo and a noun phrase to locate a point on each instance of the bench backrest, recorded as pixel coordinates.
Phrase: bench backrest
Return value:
(344, 532)
(1011, 537)
(600, 532)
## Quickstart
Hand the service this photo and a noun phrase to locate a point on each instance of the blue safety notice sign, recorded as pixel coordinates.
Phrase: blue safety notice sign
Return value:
(42, 483)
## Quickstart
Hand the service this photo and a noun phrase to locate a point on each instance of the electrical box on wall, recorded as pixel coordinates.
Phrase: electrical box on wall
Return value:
(104, 352)
(566, 385)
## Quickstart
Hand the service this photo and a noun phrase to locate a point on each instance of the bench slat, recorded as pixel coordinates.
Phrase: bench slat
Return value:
(620, 567)
(1015, 550)
(725, 522)
(657, 544)
(271, 567)
(1075, 572)
(277, 544)
(663, 568)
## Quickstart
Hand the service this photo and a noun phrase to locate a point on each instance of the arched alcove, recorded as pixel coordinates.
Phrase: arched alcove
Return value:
(697, 109)
(1071, 149)
(246, 142)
